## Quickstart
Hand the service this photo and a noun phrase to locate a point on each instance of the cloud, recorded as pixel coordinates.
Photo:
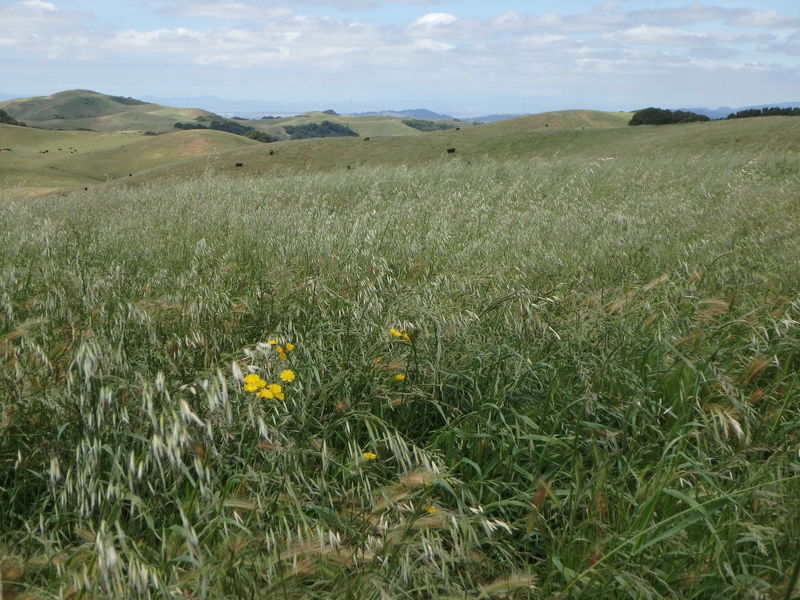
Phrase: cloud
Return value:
(515, 50)
(237, 11)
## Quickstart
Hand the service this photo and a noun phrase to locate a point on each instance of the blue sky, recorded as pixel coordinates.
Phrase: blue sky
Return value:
(463, 57)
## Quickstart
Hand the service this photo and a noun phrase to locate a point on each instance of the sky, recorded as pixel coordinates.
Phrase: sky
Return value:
(463, 57)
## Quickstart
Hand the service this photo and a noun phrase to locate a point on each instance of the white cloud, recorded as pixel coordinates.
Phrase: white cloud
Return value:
(235, 11)
(38, 4)
(432, 45)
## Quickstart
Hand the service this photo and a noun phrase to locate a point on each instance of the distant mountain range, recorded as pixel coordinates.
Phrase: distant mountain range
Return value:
(723, 111)
(254, 109)
(424, 113)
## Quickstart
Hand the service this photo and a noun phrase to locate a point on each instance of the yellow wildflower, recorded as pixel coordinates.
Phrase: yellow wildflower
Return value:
(430, 510)
(399, 377)
(265, 393)
(369, 456)
(289, 347)
(281, 352)
(287, 375)
(402, 335)
(254, 379)
(275, 388)
(250, 387)
(272, 342)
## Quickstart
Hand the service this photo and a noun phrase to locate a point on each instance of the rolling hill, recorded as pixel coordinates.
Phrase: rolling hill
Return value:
(44, 161)
(41, 161)
(493, 142)
(85, 109)
(364, 125)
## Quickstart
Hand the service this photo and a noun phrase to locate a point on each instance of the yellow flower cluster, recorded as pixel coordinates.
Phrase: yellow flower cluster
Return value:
(399, 334)
(369, 456)
(281, 350)
(254, 383)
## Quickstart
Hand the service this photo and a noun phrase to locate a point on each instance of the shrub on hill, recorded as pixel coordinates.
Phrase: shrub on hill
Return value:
(6, 118)
(662, 116)
(765, 112)
(427, 125)
(230, 127)
(260, 136)
(128, 101)
(318, 130)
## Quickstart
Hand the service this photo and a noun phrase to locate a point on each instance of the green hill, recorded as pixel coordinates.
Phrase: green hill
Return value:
(84, 109)
(491, 142)
(564, 119)
(36, 165)
(365, 126)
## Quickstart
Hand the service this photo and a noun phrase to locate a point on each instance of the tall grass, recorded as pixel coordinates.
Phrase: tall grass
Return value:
(600, 396)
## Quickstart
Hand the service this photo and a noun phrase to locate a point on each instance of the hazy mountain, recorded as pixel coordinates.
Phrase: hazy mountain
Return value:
(723, 111)
(412, 113)
(489, 118)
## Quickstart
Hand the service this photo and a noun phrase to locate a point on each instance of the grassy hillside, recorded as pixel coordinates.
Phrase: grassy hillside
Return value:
(539, 374)
(76, 109)
(565, 119)
(747, 140)
(43, 161)
(365, 126)
(117, 155)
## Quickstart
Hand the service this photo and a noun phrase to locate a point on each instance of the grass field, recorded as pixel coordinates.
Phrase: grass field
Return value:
(42, 161)
(563, 367)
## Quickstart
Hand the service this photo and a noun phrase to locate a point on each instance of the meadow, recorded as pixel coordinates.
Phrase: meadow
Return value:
(538, 372)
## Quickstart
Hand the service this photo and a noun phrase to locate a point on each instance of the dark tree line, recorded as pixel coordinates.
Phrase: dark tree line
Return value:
(7, 118)
(230, 127)
(427, 125)
(127, 100)
(765, 112)
(318, 130)
(662, 116)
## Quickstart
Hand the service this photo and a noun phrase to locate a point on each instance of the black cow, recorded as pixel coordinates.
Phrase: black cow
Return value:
(451, 150)
(239, 164)
(366, 139)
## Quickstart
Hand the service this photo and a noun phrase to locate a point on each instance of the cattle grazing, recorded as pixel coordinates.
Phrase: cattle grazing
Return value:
(5, 149)
(366, 139)
(239, 164)
(130, 174)
(271, 152)
(451, 150)
(458, 128)
(86, 189)
(546, 125)
(348, 167)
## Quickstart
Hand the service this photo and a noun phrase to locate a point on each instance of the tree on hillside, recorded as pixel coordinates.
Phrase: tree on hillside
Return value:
(662, 116)
(316, 130)
(428, 125)
(6, 118)
(230, 127)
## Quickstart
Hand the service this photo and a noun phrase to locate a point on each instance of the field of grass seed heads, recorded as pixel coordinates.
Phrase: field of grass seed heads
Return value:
(529, 379)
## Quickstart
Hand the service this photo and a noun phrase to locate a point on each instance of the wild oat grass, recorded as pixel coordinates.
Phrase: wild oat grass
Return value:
(557, 378)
